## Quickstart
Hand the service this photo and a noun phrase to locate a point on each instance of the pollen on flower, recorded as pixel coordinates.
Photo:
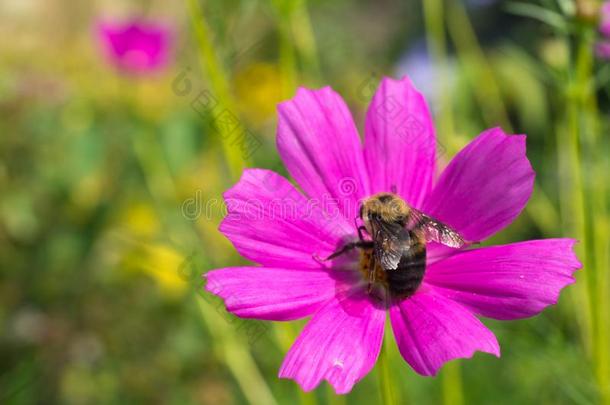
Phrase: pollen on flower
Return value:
(338, 363)
(366, 262)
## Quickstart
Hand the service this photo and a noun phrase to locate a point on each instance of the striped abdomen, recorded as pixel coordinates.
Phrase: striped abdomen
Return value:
(406, 279)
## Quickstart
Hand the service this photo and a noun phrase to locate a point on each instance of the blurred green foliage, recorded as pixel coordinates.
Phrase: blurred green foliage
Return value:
(100, 288)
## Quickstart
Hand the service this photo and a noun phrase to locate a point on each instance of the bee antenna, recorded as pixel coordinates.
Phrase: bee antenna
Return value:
(393, 188)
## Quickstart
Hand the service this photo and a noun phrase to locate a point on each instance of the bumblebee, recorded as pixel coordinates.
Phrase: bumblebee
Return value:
(394, 254)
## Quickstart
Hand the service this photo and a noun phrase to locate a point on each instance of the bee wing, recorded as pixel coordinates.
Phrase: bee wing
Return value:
(435, 231)
(391, 241)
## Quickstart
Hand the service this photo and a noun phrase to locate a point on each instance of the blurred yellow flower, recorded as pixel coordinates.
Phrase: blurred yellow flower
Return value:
(258, 88)
(162, 263)
(140, 225)
(141, 219)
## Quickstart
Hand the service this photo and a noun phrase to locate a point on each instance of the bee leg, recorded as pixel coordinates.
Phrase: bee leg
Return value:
(360, 229)
(346, 248)
(371, 276)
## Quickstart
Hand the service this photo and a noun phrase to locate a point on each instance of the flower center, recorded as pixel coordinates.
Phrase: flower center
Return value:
(400, 281)
(372, 272)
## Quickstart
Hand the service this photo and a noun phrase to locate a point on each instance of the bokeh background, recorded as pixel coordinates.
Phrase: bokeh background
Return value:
(111, 182)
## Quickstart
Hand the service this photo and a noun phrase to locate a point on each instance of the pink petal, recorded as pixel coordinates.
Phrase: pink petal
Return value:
(339, 344)
(271, 293)
(320, 146)
(507, 282)
(485, 186)
(400, 143)
(431, 330)
(272, 223)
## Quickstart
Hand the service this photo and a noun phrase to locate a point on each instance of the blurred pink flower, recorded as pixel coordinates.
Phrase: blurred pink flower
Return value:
(135, 46)
(604, 23)
(284, 230)
(602, 48)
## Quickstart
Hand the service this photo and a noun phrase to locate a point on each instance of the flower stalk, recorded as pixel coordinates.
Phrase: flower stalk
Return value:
(385, 377)
(220, 85)
(436, 38)
(586, 213)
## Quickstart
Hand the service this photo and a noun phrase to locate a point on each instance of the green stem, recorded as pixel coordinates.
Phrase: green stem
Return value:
(332, 398)
(220, 86)
(233, 349)
(601, 243)
(304, 39)
(488, 94)
(296, 39)
(435, 37)
(236, 356)
(287, 52)
(452, 384)
(284, 11)
(435, 30)
(482, 76)
(573, 207)
(589, 208)
(596, 212)
(385, 376)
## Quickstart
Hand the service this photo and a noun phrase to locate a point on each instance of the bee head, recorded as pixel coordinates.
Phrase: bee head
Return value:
(387, 207)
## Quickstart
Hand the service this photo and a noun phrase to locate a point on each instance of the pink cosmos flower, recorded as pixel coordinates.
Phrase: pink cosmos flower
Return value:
(136, 46)
(284, 230)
